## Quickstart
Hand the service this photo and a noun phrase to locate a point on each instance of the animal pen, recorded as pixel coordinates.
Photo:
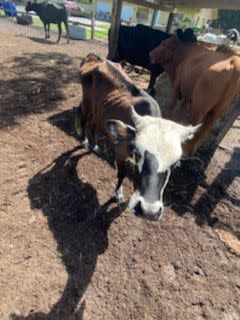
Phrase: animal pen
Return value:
(67, 251)
(224, 124)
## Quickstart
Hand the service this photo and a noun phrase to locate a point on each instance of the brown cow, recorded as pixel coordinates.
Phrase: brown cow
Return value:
(208, 80)
(130, 118)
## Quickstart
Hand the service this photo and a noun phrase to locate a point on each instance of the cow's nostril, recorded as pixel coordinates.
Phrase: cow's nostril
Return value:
(138, 209)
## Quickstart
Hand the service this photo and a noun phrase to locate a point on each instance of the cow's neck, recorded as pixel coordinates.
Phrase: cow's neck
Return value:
(183, 51)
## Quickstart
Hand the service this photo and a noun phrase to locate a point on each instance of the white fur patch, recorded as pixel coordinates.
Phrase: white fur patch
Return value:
(160, 137)
(151, 207)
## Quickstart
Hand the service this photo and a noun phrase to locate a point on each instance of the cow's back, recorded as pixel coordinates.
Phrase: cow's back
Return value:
(136, 43)
(208, 66)
(54, 11)
(110, 94)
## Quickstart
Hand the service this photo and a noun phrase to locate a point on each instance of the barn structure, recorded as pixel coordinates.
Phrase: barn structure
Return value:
(165, 5)
(225, 123)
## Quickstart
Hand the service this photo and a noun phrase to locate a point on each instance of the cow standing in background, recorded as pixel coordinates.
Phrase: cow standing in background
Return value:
(207, 80)
(130, 118)
(50, 11)
(135, 45)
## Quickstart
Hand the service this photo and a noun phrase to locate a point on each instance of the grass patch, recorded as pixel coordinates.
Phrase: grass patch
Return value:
(101, 34)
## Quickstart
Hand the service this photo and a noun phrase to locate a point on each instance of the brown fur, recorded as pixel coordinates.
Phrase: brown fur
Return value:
(108, 93)
(208, 80)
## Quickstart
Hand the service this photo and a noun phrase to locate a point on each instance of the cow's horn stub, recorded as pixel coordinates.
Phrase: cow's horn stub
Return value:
(135, 116)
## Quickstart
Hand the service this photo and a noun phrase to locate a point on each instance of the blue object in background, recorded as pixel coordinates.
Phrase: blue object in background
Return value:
(9, 8)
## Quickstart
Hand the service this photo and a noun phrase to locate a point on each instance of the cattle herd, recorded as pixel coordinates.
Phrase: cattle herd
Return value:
(114, 107)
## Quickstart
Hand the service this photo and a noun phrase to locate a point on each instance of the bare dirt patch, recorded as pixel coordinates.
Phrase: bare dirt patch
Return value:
(56, 261)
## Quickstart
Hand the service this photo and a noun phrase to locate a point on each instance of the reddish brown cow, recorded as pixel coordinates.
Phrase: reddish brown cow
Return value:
(207, 80)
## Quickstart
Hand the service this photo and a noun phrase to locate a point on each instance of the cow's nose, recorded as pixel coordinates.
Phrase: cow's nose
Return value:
(140, 212)
(138, 209)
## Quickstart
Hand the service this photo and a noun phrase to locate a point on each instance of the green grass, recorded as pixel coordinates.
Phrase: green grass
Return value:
(101, 34)
(98, 34)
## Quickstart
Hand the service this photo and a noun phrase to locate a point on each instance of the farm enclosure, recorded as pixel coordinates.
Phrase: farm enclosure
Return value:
(55, 262)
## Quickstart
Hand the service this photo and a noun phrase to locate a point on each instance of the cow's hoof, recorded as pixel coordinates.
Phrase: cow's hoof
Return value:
(85, 143)
(96, 149)
(119, 196)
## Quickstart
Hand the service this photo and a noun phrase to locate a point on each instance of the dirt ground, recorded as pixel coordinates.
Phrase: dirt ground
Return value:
(56, 261)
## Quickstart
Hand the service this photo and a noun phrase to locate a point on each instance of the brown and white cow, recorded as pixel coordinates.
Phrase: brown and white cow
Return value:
(207, 80)
(131, 119)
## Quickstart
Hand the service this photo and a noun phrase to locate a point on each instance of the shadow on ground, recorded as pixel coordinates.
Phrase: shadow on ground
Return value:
(37, 84)
(185, 181)
(41, 40)
(79, 226)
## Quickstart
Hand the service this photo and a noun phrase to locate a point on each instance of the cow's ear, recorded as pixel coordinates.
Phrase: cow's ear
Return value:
(180, 34)
(119, 131)
(189, 35)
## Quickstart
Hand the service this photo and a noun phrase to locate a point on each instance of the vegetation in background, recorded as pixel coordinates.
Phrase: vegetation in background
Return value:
(101, 34)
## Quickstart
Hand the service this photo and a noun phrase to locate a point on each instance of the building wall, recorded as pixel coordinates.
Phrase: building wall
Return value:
(184, 17)
(106, 7)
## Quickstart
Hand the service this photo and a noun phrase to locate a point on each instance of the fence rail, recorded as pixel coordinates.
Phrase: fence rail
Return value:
(98, 31)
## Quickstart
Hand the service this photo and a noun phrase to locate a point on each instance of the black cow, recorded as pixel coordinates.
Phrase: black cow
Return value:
(50, 11)
(135, 45)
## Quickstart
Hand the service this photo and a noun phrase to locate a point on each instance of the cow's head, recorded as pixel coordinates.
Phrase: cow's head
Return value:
(155, 145)
(169, 48)
(30, 6)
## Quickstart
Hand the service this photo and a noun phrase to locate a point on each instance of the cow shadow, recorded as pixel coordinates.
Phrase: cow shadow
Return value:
(190, 176)
(41, 40)
(79, 225)
(185, 179)
(37, 84)
(217, 192)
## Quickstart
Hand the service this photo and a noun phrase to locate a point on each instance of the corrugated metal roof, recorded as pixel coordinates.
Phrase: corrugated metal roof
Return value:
(171, 4)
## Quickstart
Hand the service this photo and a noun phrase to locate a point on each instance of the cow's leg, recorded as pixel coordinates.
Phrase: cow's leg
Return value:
(59, 31)
(191, 146)
(79, 122)
(152, 82)
(48, 31)
(45, 29)
(121, 174)
(82, 126)
(67, 30)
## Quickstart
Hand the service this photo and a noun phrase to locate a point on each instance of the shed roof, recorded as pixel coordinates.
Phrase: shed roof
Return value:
(172, 4)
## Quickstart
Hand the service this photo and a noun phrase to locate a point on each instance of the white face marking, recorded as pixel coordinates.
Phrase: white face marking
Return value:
(161, 138)
(148, 207)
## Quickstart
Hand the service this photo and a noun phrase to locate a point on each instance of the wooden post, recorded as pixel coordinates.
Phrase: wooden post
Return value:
(116, 21)
(94, 7)
(154, 18)
(170, 22)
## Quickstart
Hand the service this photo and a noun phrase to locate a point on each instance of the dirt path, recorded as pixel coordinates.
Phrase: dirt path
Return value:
(55, 262)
